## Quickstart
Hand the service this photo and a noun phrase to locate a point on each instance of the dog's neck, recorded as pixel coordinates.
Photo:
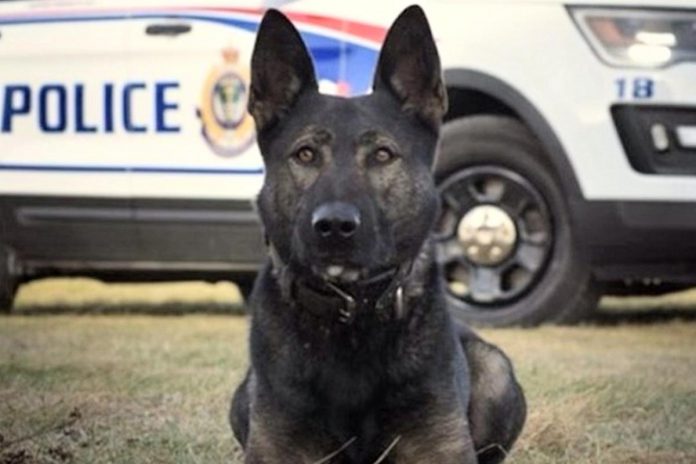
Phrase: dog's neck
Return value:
(383, 294)
(386, 294)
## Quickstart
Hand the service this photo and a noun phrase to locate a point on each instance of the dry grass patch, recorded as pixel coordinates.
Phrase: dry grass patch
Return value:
(89, 296)
(118, 388)
(155, 389)
(606, 394)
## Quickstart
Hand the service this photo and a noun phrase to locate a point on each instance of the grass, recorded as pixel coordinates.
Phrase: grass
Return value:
(144, 388)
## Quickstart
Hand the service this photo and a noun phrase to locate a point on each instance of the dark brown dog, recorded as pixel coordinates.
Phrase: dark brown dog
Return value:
(354, 356)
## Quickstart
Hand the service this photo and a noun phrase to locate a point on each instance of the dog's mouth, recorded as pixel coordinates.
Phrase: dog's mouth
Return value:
(344, 265)
(350, 274)
(340, 267)
(340, 273)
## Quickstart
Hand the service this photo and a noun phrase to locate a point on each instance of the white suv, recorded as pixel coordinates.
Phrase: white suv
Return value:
(567, 166)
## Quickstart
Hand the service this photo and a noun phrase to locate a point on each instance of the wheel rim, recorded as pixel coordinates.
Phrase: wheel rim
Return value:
(494, 236)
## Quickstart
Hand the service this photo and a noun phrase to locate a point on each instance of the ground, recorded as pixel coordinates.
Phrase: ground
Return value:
(136, 386)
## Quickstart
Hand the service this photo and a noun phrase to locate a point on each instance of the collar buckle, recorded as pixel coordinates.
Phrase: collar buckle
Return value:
(347, 312)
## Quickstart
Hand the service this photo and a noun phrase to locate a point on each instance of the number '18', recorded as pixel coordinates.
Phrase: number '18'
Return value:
(639, 87)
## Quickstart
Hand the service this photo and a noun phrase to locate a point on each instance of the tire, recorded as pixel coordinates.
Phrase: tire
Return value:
(8, 282)
(556, 286)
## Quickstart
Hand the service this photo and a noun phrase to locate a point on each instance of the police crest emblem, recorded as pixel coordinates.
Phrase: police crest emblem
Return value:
(226, 126)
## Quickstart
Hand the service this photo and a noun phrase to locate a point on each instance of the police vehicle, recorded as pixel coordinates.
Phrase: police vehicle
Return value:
(567, 167)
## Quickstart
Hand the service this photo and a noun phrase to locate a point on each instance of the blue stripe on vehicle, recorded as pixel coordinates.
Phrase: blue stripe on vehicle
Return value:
(128, 169)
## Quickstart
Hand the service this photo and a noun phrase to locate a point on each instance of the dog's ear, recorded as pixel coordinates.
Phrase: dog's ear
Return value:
(281, 69)
(409, 67)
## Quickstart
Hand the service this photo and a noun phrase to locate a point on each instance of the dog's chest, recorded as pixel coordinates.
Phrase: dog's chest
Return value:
(348, 370)
(365, 433)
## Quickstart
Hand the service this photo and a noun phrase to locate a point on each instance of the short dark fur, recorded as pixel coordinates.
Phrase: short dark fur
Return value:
(394, 375)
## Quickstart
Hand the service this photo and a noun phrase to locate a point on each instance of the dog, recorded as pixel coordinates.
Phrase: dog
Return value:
(354, 355)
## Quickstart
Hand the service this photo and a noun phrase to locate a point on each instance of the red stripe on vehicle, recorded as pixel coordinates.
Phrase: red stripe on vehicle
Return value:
(358, 29)
(355, 28)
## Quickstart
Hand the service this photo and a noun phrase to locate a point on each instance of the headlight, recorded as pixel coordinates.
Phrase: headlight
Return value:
(638, 38)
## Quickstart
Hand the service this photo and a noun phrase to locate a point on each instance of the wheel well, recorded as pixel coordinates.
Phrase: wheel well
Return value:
(473, 92)
(467, 102)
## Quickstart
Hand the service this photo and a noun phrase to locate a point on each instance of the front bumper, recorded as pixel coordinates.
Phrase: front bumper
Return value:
(658, 139)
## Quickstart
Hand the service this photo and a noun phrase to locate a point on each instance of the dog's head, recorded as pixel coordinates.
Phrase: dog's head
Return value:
(348, 189)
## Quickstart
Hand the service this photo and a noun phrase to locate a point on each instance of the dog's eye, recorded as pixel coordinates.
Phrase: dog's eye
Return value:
(383, 155)
(305, 155)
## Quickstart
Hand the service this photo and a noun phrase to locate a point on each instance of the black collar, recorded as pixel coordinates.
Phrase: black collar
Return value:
(380, 293)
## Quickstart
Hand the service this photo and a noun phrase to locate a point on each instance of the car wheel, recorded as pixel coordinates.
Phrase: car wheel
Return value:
(504, 239)
(8, 282)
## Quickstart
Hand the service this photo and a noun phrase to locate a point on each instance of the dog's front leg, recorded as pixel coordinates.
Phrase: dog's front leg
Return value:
(276, 440)
(422, 451)
(281, 455)
(442, 440)
(266, 452)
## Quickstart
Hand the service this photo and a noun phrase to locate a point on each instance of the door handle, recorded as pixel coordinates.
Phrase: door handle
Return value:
(169, 30)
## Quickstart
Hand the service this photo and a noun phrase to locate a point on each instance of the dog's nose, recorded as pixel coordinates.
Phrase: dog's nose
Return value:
(336, 219)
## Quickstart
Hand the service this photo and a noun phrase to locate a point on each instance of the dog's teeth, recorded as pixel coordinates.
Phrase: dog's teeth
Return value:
(334, 271)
